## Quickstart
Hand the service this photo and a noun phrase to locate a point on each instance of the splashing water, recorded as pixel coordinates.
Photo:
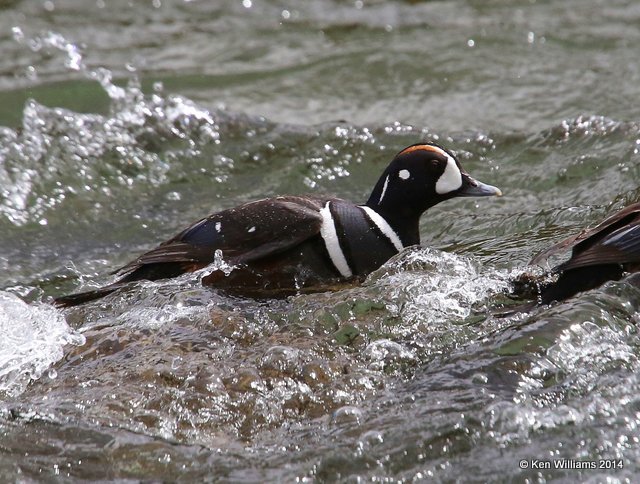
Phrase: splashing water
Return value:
(407, 377)
(432, 287)
(59, 153)
(33, 338)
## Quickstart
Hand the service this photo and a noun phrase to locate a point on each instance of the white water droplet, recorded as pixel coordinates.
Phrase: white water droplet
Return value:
(17, 33)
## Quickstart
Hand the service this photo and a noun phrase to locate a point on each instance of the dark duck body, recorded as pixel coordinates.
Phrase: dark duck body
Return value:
(603, 253)
(283, 245)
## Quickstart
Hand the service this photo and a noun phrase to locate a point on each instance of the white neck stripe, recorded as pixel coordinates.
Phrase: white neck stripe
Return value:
(384, 189)
(330, 237)
(384, 227)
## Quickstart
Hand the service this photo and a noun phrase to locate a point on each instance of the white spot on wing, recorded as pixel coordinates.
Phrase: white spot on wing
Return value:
(384, 227)
(404, 174)
(218, 226)
(330, 237)
(384, 189)
(451, 179)
(252, 229)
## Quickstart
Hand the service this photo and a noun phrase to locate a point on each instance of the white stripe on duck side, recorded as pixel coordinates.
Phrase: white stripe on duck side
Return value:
(330, 237)
(384, 227)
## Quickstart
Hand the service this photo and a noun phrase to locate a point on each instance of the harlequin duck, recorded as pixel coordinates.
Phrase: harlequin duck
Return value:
(603, 253)
(287, 244)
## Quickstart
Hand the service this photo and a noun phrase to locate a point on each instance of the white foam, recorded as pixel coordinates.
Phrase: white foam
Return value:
(437, 286)
(32, 339)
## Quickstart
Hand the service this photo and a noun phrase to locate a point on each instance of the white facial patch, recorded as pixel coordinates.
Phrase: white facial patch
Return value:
(252, 229)
(404, 174)
(451, 179)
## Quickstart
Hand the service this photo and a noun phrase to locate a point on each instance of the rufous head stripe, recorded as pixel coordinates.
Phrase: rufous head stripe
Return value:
(431, 148)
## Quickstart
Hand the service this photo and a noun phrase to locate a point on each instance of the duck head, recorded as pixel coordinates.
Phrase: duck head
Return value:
(419, 177)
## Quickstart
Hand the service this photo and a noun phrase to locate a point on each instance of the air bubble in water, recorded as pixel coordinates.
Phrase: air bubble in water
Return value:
(348, 414)
(17, 33)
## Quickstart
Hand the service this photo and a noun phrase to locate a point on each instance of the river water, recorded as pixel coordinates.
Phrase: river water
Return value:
(123, 122)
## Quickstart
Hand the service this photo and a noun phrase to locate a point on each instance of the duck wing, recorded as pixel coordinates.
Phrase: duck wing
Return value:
(616, 240)
(243, 234)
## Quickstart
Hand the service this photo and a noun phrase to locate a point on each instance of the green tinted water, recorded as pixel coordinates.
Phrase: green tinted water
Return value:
(125, 122)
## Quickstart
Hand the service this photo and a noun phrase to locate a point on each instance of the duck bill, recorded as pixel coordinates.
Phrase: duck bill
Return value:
(474, 188)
